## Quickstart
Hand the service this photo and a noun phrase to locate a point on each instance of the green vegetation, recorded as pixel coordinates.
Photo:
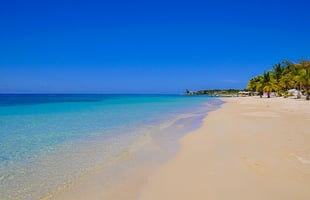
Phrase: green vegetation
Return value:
(282, 77)
(214, 92)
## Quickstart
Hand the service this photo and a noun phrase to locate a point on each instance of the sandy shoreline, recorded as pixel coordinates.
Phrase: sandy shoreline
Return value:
(124, 175)
(250, 148)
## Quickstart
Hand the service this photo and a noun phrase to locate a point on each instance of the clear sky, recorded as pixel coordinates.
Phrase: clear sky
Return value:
(146, 46)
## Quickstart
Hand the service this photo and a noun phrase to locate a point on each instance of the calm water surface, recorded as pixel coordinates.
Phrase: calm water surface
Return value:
(50, 140)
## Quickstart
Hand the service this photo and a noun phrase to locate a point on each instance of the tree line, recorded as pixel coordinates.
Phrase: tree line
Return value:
(283, 77)
(213, 92)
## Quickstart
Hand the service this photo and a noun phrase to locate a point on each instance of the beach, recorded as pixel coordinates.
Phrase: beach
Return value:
(184, 148)
(154, 100)
(250, 148)
(71, 145)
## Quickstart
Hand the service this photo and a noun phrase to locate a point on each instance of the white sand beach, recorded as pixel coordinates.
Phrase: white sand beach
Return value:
(251, 148)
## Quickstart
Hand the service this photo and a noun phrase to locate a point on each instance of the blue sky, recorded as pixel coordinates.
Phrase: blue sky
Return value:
(145, 46)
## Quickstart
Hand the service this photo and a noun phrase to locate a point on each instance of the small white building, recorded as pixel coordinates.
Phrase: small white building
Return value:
(293, 92)
(243, 94)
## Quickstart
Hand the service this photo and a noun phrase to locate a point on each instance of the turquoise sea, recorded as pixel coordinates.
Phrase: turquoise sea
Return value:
(47, 141)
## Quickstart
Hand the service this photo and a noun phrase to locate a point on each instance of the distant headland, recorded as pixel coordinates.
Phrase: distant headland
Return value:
(217, 92)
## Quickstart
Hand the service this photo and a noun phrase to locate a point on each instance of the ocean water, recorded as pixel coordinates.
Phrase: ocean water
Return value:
(48, 141)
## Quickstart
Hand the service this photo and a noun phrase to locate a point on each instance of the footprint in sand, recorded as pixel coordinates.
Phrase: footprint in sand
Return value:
(303, 161)
(255, 166)
(303, 155)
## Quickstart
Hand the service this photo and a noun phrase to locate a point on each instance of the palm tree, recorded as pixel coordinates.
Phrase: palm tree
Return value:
(256, 84)
(269, 83)
(277, 71)
(277, 74)
(304, 79)
(289, 77)
(283, 76)
(287, 82)
(298, 77)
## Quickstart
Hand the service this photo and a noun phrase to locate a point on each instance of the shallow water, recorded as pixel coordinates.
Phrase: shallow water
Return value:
(50, 140)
